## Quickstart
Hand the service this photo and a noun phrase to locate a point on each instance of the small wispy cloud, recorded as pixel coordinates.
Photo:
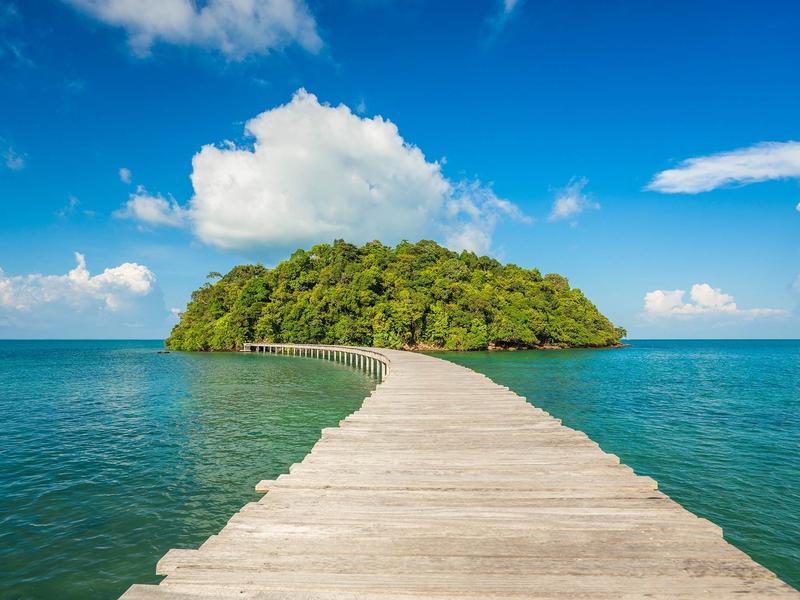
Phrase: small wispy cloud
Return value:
(473, 212)
(151, 210)
(66, 211)
(14, 50)
(504, 11)
(761, 162)
(71, 207)
(13, 159)
(704, 300)
(571, 200)
(12, 37)
(125, 175)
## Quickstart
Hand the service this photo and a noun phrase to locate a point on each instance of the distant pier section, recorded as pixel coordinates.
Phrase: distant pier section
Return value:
(369, 360)
(446, 485)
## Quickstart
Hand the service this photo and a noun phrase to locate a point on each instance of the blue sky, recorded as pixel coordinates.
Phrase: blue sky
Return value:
(551, 134)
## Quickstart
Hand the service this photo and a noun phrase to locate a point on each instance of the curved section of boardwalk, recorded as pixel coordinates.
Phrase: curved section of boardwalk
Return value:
(447, 485)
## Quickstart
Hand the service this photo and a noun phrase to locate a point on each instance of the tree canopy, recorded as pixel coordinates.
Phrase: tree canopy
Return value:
(414, 296)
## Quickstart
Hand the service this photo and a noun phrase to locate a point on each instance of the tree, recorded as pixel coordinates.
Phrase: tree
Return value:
(412, 295)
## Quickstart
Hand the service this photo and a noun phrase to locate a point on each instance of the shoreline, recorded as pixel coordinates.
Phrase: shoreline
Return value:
(423, 348)
(544, 347)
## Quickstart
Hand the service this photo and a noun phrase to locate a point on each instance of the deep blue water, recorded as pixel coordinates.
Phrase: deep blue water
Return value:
(716, 423)
(111, 453)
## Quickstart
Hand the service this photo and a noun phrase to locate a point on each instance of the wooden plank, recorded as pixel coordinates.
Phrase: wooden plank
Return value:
(446, 485)
(265, 485)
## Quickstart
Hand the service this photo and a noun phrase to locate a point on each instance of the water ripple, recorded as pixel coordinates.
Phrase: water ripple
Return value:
(111, 453)
(716, 423)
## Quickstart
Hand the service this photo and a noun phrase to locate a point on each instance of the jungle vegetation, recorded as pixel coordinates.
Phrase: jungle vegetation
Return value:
(413, 296)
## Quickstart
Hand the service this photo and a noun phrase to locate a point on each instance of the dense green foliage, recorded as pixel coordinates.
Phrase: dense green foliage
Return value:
(412, 296)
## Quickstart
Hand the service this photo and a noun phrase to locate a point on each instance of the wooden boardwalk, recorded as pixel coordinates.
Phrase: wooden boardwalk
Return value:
(447, 485)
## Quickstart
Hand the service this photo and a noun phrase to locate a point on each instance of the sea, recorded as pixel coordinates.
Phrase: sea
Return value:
(112, 452)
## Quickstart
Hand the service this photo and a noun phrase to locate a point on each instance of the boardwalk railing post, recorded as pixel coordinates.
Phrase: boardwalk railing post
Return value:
(364, 360)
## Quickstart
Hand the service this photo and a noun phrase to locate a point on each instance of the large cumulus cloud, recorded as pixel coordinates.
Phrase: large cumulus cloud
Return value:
(316, 172)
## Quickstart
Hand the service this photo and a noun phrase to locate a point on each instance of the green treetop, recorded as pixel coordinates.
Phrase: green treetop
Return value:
(411, 296)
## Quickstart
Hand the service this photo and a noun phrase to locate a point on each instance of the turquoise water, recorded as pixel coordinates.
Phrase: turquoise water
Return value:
(716, 423)
(112, 453)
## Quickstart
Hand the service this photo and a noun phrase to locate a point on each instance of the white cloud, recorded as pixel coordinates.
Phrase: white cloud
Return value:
(122, 301)
(505, 9)
(112, 288)
(317, 172)
(66, 211)
(13, 160)
(236, 28)
(571, 201)
(704, 301)
(153, 211)
(472, 215)
(125, 175)
(761, 162)
(797, 208)
(14, 39)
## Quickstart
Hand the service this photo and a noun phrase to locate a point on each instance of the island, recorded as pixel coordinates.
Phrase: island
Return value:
(414, 296)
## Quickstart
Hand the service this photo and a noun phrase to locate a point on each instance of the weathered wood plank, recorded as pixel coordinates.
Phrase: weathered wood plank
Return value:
(264, 486)
(446, 485)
